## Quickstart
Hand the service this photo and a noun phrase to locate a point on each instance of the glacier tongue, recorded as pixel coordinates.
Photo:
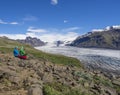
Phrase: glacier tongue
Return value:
(97, 58)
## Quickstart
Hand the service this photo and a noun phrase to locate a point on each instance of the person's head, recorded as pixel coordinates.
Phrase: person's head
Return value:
(16, 47)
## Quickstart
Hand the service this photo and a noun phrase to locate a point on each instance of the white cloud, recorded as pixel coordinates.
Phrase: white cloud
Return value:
(32, 29)
(65, 21)
(14, 23)
(54, 2)
(70, 36)
(50, 35)
(14, 36)
(2, 22)
(11, 23)
(71, 29)
(46, 35)
(30, 18)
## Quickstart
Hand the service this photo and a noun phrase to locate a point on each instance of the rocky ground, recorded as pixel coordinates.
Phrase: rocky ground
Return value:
(37, 77)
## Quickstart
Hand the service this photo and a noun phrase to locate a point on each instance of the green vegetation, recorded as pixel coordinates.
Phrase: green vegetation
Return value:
(50, 91)
(106, 82)
(59, 89)
(117, 88)
(56, 59)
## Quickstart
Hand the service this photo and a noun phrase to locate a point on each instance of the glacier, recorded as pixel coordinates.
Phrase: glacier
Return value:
(103, 59)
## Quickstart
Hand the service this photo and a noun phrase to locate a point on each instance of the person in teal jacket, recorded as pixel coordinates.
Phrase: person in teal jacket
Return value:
(16, 52)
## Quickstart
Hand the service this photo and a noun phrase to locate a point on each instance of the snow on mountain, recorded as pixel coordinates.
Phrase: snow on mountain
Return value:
(106, 29)
(97, 30)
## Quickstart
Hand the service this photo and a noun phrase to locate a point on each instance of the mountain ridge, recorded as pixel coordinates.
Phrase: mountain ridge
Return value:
(107, 38)
(32, 41)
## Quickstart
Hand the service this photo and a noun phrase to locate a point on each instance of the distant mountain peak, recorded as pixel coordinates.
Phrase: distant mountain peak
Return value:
(32, 41)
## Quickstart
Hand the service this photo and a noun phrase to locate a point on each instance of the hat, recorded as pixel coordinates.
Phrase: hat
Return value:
(16, 46)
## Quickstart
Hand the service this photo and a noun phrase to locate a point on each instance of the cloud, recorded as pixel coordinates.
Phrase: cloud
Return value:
(47, 35)
(14, 36)
(30, 18)
(32, 29)
(14, 23)
(51, 37)
(10, 23)
(65, 21)
(71, 29)
(2, 22)
(54, 2)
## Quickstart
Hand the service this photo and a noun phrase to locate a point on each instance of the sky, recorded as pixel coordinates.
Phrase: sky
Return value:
(51, 20)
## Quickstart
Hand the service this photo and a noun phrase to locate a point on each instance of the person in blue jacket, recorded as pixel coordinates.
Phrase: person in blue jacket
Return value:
(16, 52)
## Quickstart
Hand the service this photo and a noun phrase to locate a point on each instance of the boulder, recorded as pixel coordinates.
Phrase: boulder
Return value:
(115, 82)
(35, 90)
(47, 78)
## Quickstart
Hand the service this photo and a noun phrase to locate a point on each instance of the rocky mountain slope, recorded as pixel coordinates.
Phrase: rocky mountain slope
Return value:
(48, 74)
(106, 38)
(32, 41)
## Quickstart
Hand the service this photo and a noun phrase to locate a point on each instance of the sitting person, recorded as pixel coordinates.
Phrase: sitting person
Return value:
(20, 54)
(22, 51)
(16, 52)
(23, 55)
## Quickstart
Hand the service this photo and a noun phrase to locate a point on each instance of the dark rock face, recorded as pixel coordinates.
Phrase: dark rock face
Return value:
(32, 41)
(58, 43)
(105, 39)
